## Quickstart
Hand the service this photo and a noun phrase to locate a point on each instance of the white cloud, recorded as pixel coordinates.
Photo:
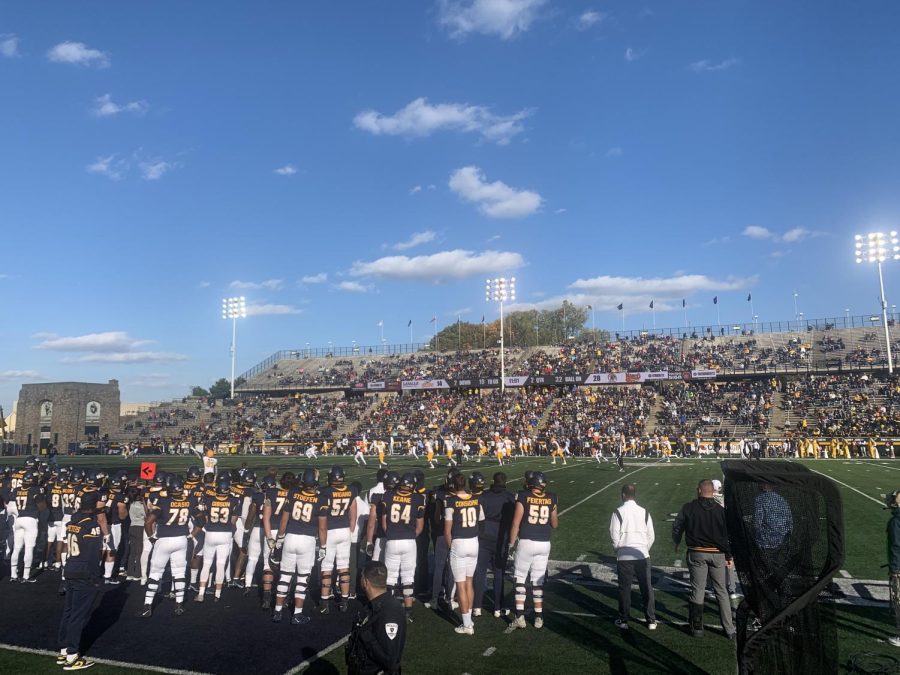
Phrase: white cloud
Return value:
(127, 357)
(493, 238)
(352, 287)
(417, 239)
(9, 46)
(79, 54)
(456, 264)
(155, 169)
(286, 170)
(204, 284)
(673, 287)
(110, 341)
(706, 66)
(605, 292)
(460, 312)
(614, 152)
(420, 118)
(757, 232)
(779, 254)
(415, 189)
(794, 235)
(319, 278)
(152, 381)
(560, 211)
(497, 199)
(272, 310)
(717, 240)
(632, 54)
(8, 375)
(268, 285)
(110, 166)
(104, 106)
(505, 18)
(589, 19)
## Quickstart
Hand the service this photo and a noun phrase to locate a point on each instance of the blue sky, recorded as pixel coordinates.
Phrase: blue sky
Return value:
(344, 163)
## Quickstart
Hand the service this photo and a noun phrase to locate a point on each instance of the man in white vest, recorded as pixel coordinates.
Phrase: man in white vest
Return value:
(631, 532)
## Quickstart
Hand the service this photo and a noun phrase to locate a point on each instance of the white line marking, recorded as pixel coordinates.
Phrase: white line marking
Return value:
(850, 487)
(581, 557)
(892, 468)
(312, 659)
(588, 615)
(106, 662)
(845, 574)
(489, 651)
(606, 487)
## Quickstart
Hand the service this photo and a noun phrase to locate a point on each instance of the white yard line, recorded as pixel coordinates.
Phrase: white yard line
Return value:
(306, 664)
(618, 481)
(849, 487)
(105, 662)
(489, 651)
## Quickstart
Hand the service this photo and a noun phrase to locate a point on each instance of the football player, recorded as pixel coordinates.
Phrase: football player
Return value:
(403, 519)
(273, 506)
(436, 505)
(118, 514)
(297, 545)
(535, 518)
(25, 503)
(220, 513)
(462, 516)
(167, 529)
(242, 490)
(374, 531)
(253, 533)
(429, 452)
(337, 521)
(359, 456)
(56, 519)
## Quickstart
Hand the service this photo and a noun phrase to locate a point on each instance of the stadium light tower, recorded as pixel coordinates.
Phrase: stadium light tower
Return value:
(878, 247)
(501, 290)
(234, 309)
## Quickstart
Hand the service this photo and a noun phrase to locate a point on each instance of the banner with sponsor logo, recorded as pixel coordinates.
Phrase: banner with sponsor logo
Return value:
(515, 381)
(703, 374)
(414, 385)
(375, 385)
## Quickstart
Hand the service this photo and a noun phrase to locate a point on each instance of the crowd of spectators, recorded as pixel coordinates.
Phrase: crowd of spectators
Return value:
(608, 411)
(716, 408)
(844, 405)
(514, 414)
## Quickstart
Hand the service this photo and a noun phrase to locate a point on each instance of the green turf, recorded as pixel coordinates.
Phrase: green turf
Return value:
(583, 639)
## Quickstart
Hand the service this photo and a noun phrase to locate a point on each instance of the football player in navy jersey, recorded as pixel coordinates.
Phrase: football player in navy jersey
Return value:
(220, 513)
(167, 529)
(297, 545)
(337, 520)
(462, 518)
(254, 538)
(374, 532)
(535, 518)
(276, 498)
(56, 519)
(85, 544)
(403, 519)
(25, 502)
(118, 515)
(440, 581)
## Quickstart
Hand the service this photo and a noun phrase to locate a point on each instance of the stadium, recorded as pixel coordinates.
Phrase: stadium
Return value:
(450, 337)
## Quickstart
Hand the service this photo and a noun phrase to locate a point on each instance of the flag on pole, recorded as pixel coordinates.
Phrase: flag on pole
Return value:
(380, 323)
(749, 297)
(589, 307)
(409, 324)
(433, 318)
(683, 304)
(651, 304)
(716, 300)
(482, 318)
(620, 306)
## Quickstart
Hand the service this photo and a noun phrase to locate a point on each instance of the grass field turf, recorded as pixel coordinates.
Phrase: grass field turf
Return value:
(579, 634)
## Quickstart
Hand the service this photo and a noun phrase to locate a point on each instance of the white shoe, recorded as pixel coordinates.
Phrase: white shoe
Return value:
(894, 641)
(496, 613)
(476, 612)
(651, 625)
(465, 630)
(454, 605)
(539, 621)
(518, 622)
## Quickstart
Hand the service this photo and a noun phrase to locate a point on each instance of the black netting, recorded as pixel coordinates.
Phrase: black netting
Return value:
(786, 529)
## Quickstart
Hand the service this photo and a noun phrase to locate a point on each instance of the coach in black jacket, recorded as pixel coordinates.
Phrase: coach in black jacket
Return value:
(702, 523)
(498, 504)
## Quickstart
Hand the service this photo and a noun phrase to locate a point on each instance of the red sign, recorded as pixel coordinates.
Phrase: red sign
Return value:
(148, 470)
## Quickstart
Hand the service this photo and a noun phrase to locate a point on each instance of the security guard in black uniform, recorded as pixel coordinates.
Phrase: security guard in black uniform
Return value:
(376, 644)
(85, 544)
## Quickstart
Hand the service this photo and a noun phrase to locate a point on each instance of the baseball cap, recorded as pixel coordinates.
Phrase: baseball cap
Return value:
(717, 485)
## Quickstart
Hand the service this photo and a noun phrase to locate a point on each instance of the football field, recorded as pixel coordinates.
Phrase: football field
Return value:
(580, 596)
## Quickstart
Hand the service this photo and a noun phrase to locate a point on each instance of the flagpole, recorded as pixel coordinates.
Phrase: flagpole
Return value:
(752, 313)
(381, 327)
(718, 315)
(623, 318)
(458, 332)
(410, 332)
(654, 318)
(593, 324)
(684, 309)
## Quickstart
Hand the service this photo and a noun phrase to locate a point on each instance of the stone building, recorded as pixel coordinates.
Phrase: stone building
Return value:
(62, 413)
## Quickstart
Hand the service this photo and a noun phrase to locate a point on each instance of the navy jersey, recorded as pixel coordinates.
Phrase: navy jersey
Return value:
(219, 513)
(465, 514)
(437, 501)
(102, 496)
(257, 499)
(277, 499)
(26, 499)
(69, 497)
(173, 515)
(6, 489)
(85, 544)
(535, 523)
(303, 517)
(15, 481)
(55, 501)
(334, 505)
(115, 498)
(402, 509)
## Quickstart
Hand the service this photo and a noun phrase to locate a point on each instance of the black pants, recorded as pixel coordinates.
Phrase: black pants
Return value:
(627, 570)
(420, 586)
(439, 577)
(490, 557)
(135, 548)
(354, 566)
(80, 596)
